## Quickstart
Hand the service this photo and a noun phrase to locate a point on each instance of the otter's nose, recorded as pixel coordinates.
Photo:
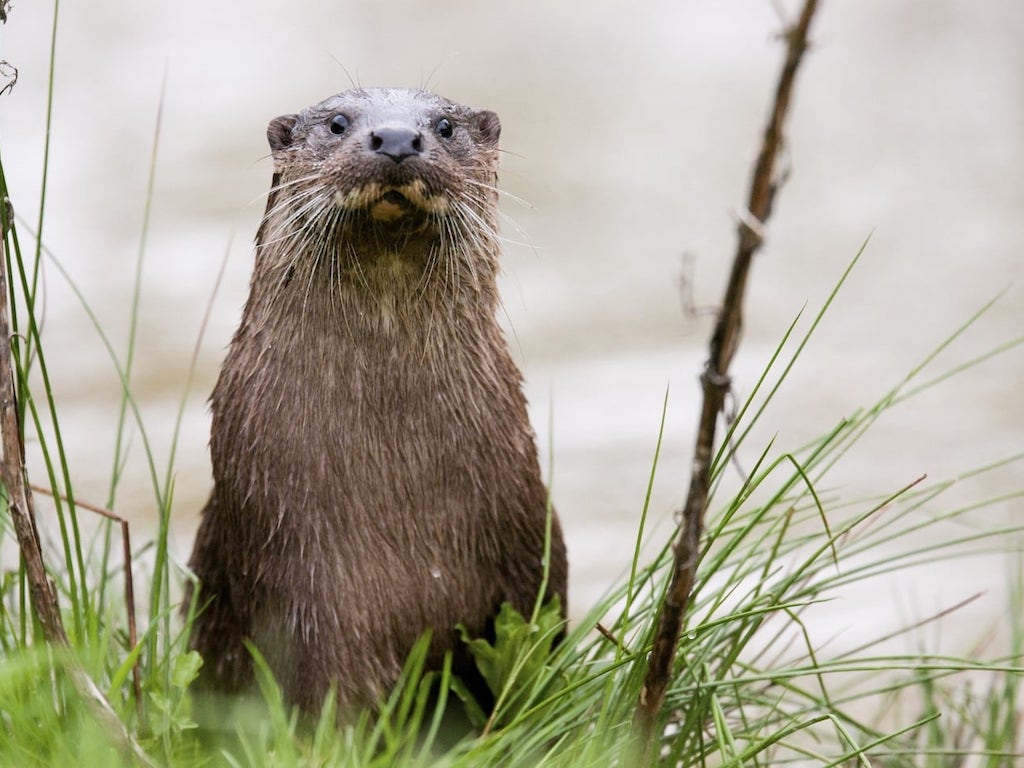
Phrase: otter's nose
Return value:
(397, 142)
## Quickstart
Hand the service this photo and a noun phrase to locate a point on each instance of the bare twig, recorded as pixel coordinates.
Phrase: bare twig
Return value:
(19, 502)
(715, 383)
(607, 634)
(129, 583)
(8, 73)
(12, 474)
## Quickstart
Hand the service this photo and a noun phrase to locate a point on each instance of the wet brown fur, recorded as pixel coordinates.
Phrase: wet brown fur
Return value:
(375, 472)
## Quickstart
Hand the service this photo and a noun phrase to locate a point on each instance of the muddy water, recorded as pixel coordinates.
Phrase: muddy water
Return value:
(629, 132)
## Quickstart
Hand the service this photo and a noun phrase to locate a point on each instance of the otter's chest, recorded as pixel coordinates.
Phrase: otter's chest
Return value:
(371, 431)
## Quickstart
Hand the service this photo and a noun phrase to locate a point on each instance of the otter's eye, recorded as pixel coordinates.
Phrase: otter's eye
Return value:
(339, 124)
(444, 128)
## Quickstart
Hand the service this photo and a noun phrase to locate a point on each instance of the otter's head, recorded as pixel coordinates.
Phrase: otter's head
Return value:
(373, 169)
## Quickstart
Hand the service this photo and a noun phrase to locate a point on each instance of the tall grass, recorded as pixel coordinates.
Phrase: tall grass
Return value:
(752, 684)
(752, 687)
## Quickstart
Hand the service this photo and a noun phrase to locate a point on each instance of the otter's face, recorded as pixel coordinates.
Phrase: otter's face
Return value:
(387, 158)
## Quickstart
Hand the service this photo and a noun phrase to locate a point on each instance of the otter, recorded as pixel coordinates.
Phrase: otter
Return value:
(375, 473)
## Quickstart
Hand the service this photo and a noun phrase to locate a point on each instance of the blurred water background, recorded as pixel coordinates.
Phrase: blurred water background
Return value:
(629, 131)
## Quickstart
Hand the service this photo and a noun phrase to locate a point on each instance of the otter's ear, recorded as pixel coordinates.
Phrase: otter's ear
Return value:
(279, 132)
(489, 127)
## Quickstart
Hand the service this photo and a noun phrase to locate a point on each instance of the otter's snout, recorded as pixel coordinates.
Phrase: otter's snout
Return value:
(396, 141)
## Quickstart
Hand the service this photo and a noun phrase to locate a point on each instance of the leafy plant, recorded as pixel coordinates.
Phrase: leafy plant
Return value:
(513, 663)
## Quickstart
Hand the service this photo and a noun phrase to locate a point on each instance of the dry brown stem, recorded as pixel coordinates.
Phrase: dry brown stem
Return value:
(19, 499)
(129, 582)
(715, 383)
